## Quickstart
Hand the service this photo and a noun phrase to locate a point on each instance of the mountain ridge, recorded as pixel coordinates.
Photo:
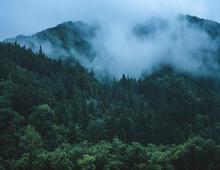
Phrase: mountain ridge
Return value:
(66, 40)
(53, 109)
(77, 40)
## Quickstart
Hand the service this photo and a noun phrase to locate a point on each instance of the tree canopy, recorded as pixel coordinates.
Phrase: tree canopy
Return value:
(56, 115)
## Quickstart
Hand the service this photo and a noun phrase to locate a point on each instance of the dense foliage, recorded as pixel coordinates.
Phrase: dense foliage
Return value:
(56, 115)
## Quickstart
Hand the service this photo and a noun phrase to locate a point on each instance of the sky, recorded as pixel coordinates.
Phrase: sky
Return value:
(30, 16)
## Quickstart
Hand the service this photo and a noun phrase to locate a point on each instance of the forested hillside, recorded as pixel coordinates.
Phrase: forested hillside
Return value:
(56, 115)
(187, 43)
(66, 40)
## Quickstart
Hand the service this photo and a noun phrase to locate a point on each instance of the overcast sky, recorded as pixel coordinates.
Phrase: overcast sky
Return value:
(30, 16)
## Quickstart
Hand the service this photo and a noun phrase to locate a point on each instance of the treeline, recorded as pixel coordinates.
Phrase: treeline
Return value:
(54, 115)
(195, 154)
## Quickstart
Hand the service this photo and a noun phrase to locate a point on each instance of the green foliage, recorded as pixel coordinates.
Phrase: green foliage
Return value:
(196, 153)
(31, 141)
(42, 118)
(30, 144)
(9, 131)
(56, 115)
(86, 162)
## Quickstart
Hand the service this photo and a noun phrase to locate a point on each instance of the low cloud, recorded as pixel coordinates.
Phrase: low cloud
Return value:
(122, 51)
(119, 49)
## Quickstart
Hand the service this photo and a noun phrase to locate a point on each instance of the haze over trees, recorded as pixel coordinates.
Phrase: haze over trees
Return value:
(55, 114)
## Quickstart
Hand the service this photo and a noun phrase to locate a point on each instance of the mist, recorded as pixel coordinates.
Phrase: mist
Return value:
(120, 50)
(118, 47)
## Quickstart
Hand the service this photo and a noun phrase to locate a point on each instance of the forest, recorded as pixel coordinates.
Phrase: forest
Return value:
(56, 115)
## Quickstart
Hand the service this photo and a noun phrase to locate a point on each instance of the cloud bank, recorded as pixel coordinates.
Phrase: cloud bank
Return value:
(119, 50)
(186, 48)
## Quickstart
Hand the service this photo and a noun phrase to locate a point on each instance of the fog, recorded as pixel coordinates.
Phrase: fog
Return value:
(185, 47)
(119, 50)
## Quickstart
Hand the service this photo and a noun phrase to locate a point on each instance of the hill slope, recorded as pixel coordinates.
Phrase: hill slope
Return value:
(78, 41)
(66, 40)
(49, 107)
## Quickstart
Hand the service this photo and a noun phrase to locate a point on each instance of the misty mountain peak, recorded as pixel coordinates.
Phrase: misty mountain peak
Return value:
(77, 26)
(21, 36)
(66, 40)
(148, 44)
